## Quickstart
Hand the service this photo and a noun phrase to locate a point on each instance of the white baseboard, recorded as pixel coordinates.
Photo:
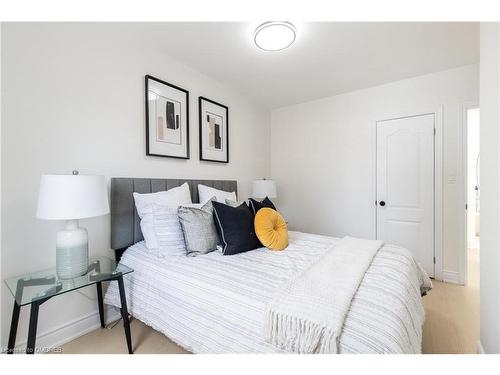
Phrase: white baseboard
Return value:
(451, 277)
(72, 330)
(479, 348)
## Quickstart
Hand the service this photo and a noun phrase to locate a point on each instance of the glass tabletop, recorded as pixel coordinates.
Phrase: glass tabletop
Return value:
(31, 287)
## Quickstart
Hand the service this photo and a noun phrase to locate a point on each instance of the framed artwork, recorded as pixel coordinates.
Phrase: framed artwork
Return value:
(214, 131)
(167, 119)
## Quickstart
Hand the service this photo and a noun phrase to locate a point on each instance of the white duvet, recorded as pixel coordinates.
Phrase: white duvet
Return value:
(216, 304)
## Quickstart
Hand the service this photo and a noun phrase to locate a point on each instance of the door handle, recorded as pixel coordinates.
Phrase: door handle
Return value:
(382, 203)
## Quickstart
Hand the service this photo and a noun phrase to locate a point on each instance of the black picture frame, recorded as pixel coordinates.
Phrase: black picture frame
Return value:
(200, 125)
(186, 92)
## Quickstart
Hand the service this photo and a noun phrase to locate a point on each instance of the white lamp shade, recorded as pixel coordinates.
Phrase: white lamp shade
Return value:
(264, 188)
(70, 197)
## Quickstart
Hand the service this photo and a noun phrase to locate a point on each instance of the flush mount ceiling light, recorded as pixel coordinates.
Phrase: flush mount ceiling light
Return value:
(274, 36)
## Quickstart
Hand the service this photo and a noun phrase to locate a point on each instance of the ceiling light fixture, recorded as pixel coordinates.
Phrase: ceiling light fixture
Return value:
(274, 36)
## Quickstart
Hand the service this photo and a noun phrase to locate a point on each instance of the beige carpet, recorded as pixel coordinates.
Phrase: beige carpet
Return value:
(145, 340)
(452, 314)
(451, 326)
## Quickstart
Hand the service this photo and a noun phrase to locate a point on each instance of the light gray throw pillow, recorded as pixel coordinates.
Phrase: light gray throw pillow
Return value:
(198, 226)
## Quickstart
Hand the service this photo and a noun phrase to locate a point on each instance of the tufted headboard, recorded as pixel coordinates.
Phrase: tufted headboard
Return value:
(125, 223)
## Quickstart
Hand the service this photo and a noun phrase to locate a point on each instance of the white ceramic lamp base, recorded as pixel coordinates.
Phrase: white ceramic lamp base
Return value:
(72, 254)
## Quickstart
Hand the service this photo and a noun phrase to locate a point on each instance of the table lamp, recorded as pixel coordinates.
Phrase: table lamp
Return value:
(264, 188)
(72, 197)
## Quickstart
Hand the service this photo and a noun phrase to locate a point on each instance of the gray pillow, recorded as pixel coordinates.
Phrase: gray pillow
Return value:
(198, 226)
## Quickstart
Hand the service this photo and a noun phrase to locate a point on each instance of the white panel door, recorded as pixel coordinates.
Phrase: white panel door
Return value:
(405, 185)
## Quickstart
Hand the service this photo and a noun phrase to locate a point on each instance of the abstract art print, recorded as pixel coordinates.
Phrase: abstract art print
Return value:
(167, 119)
(214, 140)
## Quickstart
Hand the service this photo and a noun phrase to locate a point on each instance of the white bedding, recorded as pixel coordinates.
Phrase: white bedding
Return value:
(216, 304)
(307, 315)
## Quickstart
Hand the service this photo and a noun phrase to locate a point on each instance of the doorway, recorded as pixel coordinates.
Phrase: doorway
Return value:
(405, 196)
(472, 193)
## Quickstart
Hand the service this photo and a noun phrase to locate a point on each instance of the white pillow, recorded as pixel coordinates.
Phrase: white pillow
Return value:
(174, 197)
(231, 203)
(162, 231)
(206, 193)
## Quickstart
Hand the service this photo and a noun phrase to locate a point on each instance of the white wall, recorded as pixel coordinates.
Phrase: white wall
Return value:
(1, 273)
(472, 153)
(322, 154)
(490, 187)
(73, 99)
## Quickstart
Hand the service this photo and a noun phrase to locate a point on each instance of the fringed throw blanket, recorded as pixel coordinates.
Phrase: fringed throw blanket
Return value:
(308, 314)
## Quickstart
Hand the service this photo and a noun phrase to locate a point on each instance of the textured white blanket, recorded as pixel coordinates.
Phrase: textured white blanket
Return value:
(308, 314)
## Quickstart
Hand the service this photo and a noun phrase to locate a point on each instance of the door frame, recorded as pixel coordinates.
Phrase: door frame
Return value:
(438, 179)
(462, 201)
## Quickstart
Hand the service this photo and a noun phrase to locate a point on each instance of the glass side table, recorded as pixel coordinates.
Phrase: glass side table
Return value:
(36, 288)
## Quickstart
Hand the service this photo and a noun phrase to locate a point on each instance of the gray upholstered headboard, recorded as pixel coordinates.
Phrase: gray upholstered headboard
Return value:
(125, 223)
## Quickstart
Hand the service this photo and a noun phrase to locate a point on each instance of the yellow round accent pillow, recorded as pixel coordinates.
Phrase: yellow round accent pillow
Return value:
(271, 229)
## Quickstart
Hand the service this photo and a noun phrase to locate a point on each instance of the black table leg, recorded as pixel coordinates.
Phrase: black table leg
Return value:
(124, 312)
(13, 328)
(30, 348)
(101, 303)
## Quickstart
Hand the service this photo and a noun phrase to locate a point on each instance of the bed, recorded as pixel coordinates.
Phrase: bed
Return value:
(216, 304)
